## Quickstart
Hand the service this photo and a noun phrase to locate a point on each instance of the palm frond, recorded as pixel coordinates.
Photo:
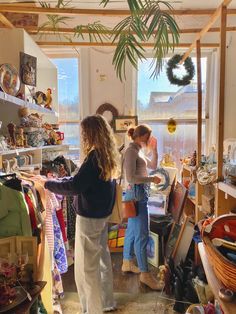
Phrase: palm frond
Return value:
(96, 31)
(162, 28)
(134, 5)
(128, 35)
(54, 21)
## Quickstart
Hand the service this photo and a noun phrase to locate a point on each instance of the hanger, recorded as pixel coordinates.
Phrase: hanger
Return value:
(8, 175)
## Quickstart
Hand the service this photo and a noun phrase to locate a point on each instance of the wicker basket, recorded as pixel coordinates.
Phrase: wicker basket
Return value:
(224, 269)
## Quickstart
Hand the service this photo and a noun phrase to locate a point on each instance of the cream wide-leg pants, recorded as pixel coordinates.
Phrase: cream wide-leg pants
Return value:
(93, 268)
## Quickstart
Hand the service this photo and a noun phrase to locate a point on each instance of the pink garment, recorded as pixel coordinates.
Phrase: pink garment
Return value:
(51, 205)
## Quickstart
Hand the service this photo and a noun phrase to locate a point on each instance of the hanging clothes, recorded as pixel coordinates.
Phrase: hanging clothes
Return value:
(14, 215)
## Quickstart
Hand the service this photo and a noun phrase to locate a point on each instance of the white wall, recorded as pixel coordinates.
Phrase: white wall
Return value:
(11, 44)
(99, 84)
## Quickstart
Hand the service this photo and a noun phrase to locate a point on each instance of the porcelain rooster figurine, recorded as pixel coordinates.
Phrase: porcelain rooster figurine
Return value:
(48, 102)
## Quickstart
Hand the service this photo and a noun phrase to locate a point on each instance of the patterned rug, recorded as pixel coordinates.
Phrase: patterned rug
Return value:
(148, 303)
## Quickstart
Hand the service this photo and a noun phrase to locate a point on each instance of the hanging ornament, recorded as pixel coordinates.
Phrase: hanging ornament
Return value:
(171, 125)
(173, 63)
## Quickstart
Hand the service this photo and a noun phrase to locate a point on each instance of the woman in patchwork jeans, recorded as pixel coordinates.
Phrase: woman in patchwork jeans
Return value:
(135, 168)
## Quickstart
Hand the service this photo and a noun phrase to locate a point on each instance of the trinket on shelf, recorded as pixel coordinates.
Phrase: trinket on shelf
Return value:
(12, 132)
(48, 102)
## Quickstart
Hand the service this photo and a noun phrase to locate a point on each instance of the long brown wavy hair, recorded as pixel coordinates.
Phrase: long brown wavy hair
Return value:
(98, 135)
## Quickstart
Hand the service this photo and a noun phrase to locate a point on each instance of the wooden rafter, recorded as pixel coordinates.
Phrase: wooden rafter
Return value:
(199, 116)
(5, 21)
(66, 30)
(108, 12)
(108, 44)
(221, 92)
(205, 29)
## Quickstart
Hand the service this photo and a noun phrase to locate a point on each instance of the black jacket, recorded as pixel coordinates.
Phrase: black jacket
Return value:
(94, 197)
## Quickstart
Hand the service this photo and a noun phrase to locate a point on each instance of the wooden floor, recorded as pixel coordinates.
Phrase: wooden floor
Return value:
(124, 283)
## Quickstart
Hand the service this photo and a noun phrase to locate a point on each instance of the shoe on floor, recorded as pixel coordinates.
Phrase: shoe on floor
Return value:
(110, 309)
(147, 279)
(128, 266)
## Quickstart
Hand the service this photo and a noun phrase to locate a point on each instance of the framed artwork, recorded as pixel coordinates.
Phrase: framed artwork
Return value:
(28, 69)
(153, 249)
(177, 201)
(184, 240)
(122, 123)
(172, 240)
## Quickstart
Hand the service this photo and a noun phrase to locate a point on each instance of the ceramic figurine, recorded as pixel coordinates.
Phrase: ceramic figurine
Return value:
(48, 102)
(193, 160)
(53, 136)
(167, 161)
(12, 132)
(20, 139)
(24, 116)
(40, 98)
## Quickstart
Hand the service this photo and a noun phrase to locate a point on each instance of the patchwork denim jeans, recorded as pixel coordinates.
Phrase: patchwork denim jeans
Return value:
(137, 232)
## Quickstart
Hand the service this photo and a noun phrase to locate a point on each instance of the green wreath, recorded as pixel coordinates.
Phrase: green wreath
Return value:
(173, 63)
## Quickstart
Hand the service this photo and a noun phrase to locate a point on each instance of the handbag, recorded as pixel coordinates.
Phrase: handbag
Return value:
(116, 216)
(129, 209)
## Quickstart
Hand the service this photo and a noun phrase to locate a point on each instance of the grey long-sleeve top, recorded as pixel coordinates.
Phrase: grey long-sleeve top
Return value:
(136, 163)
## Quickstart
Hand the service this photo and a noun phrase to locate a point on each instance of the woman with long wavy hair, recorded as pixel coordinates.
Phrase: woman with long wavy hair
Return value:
(94, 190)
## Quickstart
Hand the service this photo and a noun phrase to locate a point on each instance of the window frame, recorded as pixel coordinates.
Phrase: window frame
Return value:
(67, 55)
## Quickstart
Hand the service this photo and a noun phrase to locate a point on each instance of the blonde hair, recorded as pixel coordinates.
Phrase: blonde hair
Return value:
(97, 134)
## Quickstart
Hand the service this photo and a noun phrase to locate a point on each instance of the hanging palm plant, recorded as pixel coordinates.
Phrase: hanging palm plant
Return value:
(148, 22)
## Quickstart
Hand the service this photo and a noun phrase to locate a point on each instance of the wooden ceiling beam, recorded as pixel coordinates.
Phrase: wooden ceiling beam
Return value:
(32, 30)
(108, 44)
(205, 29)
(6, 22)
(108, 12)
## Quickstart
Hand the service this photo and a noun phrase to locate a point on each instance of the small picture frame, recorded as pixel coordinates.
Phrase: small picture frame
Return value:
(123, 123)
(153, 249)
(28, 69)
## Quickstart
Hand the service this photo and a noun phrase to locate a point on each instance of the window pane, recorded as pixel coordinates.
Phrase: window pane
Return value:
(180, 144)
(158, 99)
(68, 88)
(72, 135)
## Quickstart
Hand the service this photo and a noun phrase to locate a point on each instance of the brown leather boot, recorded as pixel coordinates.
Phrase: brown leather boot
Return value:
(128, 266)
(148, 279)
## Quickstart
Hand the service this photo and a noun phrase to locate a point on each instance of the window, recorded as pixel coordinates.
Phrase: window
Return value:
(68, 96)
(158, 101)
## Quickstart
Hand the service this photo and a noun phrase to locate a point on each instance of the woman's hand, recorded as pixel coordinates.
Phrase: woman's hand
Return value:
(156, 179)
(152, 143)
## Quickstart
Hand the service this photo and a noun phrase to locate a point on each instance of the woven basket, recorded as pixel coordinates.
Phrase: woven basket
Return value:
(224, 269)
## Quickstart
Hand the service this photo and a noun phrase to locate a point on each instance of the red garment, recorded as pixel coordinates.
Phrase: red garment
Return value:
(61, 221)
(31, 211)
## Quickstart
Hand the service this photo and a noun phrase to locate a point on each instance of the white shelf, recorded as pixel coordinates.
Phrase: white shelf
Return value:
(228, 188)
(22, 103)
(55, 147)
(28, 149)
